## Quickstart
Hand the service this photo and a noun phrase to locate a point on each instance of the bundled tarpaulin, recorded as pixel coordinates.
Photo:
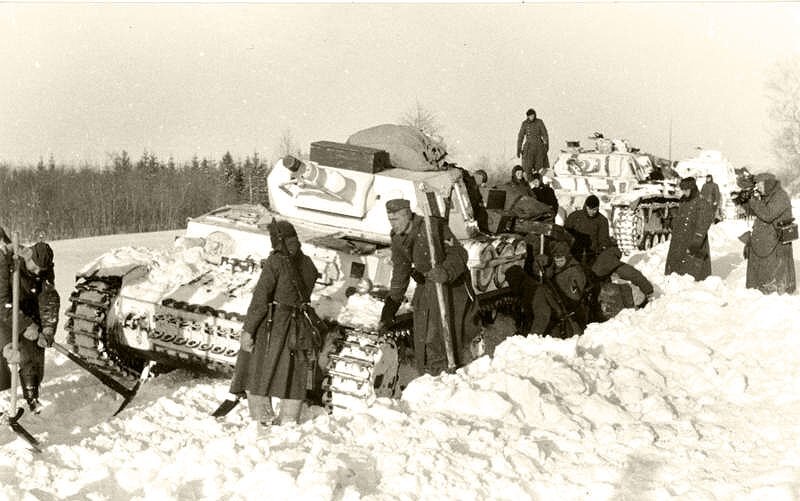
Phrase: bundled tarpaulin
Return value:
(409, 148)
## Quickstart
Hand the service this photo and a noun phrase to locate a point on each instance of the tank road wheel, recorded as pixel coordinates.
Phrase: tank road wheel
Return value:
(93, 330)
(638, 234)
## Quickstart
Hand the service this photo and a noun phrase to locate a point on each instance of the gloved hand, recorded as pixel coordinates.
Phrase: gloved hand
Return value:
(519, 154)
(418, 276)
(31, 333)
(390, 307)
(10, 354)
(695, 246)
(541, 260)
(246, 342)
(746, 251)
(437, 274)
(46, 337)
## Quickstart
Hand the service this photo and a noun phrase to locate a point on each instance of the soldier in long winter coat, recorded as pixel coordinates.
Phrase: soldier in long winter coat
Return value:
(533, 144)
(770, 265)
(411, 259)
(38, 306)
(688, 246)
(710, 192)
(277, 340)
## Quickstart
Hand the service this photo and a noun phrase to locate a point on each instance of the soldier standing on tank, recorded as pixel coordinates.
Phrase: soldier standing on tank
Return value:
(38, 307)
(411, 259)
(533, 145)
(277, 340)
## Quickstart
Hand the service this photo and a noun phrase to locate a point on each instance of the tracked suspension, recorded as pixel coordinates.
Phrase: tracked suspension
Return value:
(87, 329)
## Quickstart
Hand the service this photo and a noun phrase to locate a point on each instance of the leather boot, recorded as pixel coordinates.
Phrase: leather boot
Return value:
(30, 391)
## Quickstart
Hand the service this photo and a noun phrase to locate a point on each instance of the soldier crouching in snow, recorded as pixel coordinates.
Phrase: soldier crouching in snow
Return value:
(594, 248)
(38, 306)
(411, 258)
(558, 309)
(278, 341)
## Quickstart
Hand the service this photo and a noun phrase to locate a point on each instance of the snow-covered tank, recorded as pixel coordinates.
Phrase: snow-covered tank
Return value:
(635, 195)
(185, 306)
(712, 162)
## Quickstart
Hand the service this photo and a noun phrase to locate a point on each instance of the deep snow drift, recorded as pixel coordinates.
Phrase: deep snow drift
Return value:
(696, 396)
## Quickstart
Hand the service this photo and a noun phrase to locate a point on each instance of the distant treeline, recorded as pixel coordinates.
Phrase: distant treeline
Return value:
(52, 202)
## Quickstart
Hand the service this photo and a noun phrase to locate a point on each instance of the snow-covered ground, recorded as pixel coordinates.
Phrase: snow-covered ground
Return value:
(697, 396)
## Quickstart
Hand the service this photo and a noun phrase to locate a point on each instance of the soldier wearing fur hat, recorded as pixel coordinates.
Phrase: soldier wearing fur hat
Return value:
(558, 309)
(533, 144)
(277, 340)
(411, 259)
(688, 246)
(38, 305)
(770, 264)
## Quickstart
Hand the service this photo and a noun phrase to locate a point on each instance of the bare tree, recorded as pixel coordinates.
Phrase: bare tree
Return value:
(423, 119)
(288, 145)
(783, 92)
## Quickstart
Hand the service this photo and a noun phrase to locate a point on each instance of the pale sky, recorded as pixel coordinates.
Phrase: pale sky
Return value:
(81, 81)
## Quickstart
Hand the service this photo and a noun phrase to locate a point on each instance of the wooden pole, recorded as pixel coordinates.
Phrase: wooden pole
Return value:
(447, 334)
(14, 367)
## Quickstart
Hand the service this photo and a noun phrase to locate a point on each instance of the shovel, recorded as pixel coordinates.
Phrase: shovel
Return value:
(14, 413)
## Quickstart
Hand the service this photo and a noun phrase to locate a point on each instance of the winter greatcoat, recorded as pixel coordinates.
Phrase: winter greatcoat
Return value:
(770, 265)
(590, 233)
(532, 145)
(557, 308)
(278, 363)
(545, 194)
(38, 304)
(410, 252)
(710, 192)
(688, 247)
(594, 248)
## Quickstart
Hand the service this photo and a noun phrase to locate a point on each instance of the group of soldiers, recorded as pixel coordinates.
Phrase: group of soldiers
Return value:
(38, 314)
(558, 287)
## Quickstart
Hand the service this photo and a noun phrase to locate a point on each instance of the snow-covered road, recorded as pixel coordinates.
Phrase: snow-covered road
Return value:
(697, 396)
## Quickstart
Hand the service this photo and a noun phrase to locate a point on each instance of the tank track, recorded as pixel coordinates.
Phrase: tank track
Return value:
(90, 319)
(632, 231)
(363, 366)
(366, 365)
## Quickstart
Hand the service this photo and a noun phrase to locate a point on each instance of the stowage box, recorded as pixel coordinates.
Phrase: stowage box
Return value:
(348, 156)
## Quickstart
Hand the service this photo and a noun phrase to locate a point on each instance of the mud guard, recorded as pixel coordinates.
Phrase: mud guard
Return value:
(126, 393)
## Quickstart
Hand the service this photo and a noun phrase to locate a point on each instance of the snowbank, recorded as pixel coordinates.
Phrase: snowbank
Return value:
(696, 396)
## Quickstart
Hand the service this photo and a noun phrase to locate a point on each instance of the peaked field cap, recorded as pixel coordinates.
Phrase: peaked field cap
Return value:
(397, 204)
(530, 112)
(42, 255)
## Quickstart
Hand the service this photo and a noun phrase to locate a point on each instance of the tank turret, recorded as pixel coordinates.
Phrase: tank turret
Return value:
(185, 306)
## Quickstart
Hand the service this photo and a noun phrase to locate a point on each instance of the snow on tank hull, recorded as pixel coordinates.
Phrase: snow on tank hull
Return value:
(638, 208)
(184, 307)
